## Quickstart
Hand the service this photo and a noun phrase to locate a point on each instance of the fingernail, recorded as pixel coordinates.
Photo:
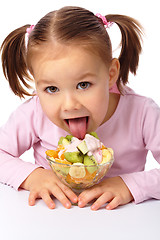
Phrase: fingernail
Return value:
(108, 207)
(51, 205)
(93, 207)
(75, 199)
(68, 205)
(80, 203)
(31, 202)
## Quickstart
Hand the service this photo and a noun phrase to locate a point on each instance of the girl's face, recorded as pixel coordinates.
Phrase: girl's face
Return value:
(73, 87)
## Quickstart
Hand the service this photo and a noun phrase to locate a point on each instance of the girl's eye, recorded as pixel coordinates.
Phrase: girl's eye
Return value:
(51, 89)
(83, 85)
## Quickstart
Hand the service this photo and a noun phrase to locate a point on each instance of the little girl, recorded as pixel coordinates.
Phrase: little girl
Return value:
(79, 88)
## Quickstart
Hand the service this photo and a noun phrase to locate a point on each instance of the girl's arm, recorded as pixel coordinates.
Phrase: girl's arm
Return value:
(145, 185)
(16, 137)
(137, 186)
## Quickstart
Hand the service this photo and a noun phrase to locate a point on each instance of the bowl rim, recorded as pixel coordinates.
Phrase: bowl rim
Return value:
(73, 165)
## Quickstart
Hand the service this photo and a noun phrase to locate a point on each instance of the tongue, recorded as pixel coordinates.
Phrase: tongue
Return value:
(78, 127)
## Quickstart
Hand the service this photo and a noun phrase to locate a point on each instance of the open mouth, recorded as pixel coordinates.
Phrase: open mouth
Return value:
(76, 119)
(78, 126)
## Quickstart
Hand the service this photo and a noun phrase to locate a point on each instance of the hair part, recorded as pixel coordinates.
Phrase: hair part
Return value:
(70, 25)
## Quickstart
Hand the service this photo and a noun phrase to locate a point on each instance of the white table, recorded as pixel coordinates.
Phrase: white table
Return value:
(18, 221)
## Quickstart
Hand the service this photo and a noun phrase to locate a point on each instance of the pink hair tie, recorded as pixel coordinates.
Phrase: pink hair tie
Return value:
(28, 32)
(104, 20)
(30, 29)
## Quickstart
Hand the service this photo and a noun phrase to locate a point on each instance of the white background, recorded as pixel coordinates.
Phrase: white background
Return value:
(14, 14)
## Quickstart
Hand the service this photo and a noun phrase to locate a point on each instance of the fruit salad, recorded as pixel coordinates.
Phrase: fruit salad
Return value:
(80, 163)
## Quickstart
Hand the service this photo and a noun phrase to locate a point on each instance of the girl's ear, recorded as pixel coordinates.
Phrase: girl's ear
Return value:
(114, 72)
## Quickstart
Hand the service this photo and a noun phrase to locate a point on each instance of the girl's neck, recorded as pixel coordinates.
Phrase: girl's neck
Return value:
(113, 103)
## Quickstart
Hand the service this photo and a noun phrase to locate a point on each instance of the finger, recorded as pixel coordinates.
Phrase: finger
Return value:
(104, 198)
(68, 192)
(114, 203)
(45, 195)
(88, 196)
(32, 198)
(58, 193)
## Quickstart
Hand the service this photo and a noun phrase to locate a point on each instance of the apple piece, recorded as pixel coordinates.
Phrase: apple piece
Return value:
(83, 147)
(63, 141)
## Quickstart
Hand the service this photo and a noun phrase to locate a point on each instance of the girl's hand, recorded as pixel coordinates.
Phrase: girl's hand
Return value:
(43, 183)
(112, 190)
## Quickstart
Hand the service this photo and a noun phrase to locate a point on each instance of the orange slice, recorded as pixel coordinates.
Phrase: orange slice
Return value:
(71, 180)
(103, 147)
(52, 153)
(90, 176)
(60, 147)
(62, 161)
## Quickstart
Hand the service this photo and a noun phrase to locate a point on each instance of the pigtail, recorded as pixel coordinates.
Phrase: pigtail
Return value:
(14, 64)
(131, 48)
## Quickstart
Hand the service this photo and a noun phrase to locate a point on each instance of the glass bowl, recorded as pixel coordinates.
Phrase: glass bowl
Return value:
(77, 176)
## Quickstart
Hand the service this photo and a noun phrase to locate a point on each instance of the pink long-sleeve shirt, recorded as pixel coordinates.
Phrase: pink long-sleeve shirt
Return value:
(132, 130)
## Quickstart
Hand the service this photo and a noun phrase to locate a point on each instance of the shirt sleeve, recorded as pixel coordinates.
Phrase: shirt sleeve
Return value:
(146, 184)
(17, 136)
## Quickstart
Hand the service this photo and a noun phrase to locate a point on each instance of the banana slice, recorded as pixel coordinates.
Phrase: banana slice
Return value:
(107, 155)
(77, 170)
(111, 150)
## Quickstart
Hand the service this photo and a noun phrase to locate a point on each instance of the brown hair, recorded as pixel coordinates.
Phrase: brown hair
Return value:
(70, 25)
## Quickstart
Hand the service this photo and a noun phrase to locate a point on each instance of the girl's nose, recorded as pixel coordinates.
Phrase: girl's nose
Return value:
(70, 102)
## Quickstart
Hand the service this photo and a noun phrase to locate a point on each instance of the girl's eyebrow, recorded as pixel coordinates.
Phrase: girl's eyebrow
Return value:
(43, 81)
(82, 76)
(79, 77)
(88, 74)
